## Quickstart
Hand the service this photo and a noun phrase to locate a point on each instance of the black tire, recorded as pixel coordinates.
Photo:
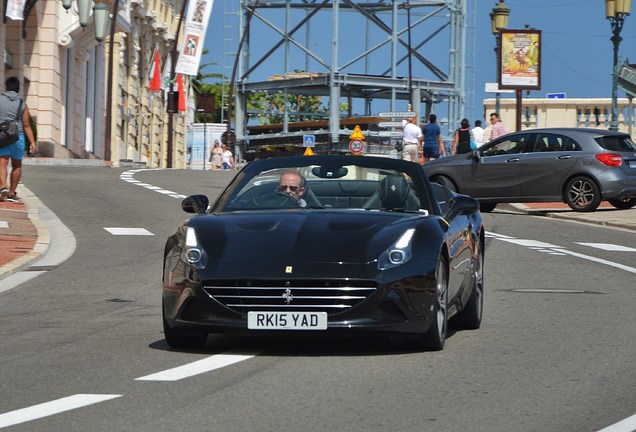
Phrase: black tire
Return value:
(582, 194)
(182, 340)
(435, 338)
(623, 204)
(487, 207)
(445, 181)
(470, 316)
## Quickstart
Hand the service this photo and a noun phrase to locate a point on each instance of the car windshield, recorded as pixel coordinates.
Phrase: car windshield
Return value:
(319, 187)
(616, 143)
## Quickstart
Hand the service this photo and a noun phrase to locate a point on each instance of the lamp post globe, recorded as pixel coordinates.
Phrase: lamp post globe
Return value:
(498, 20)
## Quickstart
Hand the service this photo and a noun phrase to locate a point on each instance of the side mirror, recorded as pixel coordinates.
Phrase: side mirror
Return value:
(475, 155)
(195, 204)
(462, 204)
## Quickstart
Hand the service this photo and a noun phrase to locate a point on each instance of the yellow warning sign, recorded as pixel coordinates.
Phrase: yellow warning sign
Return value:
(356, 134)
(308, 152)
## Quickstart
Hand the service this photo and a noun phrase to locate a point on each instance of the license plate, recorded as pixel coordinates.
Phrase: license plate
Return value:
(287, 320)
(632, 164)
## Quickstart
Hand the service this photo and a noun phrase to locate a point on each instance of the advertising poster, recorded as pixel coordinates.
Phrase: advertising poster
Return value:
(196, 25)
(520, 59)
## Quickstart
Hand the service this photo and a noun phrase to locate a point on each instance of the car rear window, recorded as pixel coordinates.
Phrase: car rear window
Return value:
(616, 143)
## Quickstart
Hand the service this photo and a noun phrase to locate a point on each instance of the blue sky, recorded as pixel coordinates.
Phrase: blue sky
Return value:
(576, 57)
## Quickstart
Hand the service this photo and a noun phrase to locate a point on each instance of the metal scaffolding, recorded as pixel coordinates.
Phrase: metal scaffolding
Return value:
(360, 58)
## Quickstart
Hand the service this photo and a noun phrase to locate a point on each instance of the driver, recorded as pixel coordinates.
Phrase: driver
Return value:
(293, 184)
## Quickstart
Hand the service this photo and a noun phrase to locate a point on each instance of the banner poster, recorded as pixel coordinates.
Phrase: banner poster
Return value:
(520, 59)
(197, 19)
(15, 9)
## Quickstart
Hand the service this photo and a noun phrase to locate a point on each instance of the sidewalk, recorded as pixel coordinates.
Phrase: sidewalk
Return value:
(606, 214)
(23, 238)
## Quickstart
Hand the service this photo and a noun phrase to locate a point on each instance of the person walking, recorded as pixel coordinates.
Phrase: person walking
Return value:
(412, 139)
(216, 156)
(478, 133)
(498, 128)
(227, 158)
(461, 140)
(433, 144)
(10, 103)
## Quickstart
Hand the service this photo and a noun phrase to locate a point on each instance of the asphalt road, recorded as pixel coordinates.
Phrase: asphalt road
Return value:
(84, 339)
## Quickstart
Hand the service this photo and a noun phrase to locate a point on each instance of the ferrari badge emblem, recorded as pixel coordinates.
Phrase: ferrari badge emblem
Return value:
(289, 269)
(287, 296)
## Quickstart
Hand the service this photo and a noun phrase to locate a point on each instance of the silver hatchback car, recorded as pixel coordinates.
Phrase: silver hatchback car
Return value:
(578, 166)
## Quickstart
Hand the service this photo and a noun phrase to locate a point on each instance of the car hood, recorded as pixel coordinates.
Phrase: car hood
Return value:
(301, 236)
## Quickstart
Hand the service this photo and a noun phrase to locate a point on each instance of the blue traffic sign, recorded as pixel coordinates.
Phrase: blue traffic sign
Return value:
(555, 95)
(309, 140)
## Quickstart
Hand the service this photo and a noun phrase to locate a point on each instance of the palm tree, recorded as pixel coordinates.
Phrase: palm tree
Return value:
(200, 87)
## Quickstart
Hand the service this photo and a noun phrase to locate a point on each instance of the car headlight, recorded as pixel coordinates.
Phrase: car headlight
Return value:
(398, 253)
(193, 253)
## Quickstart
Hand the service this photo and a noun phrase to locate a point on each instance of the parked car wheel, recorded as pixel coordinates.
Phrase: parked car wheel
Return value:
(445, 181)
(470, 317)
(623, 204)
(582, 194)
(435, 338)
(487, 207)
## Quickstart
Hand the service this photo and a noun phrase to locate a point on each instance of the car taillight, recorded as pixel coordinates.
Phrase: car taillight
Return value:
(610, 159)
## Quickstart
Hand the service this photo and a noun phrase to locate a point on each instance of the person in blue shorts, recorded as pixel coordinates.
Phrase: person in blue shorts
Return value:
(433, 144)
(10, 102)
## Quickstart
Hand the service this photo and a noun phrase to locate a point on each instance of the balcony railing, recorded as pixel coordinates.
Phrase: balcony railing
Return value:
(569, 112)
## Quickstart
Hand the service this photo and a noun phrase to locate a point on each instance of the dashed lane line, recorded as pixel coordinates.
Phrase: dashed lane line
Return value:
(198, 367)
(57, 406)
(128, 176)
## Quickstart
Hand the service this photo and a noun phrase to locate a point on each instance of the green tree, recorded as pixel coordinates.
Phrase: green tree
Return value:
(201, 86)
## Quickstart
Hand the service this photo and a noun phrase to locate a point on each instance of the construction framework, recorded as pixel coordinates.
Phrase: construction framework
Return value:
(383, 56)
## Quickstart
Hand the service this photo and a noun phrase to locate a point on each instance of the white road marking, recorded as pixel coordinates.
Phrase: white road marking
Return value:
(128, 177)
(609, 247)
(558, 250)
(46, 409)
(198, 367)
(601, 261)
(626, 425)
(129, 231)
(4, 224)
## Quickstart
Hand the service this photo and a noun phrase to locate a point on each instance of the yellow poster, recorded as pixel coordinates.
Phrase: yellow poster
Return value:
(520, 59)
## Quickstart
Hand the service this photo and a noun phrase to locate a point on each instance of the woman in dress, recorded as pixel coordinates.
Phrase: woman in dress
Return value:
(215, 155)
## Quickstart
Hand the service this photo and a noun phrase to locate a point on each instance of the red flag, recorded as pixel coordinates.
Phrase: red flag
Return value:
(155, 74)
(182, 98)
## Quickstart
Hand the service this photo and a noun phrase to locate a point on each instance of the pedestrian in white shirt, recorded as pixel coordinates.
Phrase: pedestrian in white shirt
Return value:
(412, 139)
(478, 133)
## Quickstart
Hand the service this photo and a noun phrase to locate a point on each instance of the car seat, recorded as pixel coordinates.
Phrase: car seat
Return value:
(394, 193)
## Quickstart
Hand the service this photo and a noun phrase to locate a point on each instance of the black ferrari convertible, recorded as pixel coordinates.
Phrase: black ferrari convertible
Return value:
(326, 244)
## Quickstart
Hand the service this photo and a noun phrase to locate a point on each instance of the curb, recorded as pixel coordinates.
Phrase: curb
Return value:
(42, 241)
(590, 218)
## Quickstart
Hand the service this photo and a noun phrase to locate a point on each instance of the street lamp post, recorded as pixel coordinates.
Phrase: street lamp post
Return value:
(498, 21)
(615, 11)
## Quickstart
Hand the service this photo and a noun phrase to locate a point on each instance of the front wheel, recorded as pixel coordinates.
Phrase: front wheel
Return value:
(582, 194)
(470, 316)
(445, 181)
(435, 338)
(182, 340)
(623, 204)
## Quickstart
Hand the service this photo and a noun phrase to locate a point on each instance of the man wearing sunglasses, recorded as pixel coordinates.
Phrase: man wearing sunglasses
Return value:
(293, 184)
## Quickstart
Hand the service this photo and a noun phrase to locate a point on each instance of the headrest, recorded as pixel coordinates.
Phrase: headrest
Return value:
(394, 190)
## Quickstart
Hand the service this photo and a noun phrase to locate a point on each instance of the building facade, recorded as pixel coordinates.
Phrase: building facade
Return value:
(65, 81)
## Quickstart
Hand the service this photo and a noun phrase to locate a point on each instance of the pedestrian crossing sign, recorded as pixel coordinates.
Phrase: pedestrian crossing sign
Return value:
(309, 140)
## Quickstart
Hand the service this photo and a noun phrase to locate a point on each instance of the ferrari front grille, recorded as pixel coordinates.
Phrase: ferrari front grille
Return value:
(316, 295)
